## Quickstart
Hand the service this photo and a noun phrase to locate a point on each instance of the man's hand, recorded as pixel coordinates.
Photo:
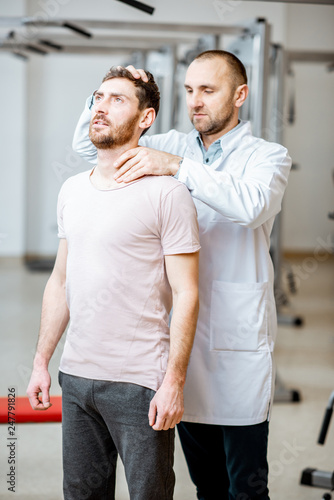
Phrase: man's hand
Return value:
(137, 73)
(166, 408)
(137, 162)
(40, 382)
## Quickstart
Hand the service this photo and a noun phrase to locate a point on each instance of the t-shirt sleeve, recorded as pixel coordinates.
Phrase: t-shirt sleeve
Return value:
(178, 223)
(60, 207)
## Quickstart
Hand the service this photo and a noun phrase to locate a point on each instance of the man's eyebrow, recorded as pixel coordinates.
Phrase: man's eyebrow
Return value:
(203, 86)
(111, 94)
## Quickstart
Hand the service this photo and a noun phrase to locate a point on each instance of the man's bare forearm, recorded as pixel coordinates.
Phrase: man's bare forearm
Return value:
(182, 333)
(54, 319)
(166, 408)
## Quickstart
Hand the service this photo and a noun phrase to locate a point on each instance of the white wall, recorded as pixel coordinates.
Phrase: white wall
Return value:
(13, 155)
(13, 146)
(310, 193)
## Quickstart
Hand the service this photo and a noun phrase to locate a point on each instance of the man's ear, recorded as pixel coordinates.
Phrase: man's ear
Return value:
(147, 118)
(240, 95)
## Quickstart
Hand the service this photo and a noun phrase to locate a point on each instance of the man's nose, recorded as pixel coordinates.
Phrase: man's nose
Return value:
(101, 107)
(195, 101)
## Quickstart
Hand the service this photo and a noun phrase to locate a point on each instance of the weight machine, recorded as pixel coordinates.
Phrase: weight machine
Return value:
(319, 478)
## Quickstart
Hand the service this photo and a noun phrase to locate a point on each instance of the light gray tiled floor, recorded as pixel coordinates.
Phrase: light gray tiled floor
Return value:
(305, 359)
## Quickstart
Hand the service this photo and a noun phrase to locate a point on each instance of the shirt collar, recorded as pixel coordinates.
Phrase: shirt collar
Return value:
(222, 138)
(227, 141)
(213, 147)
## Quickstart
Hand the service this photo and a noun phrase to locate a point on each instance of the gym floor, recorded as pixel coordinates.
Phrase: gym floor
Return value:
(305, 361)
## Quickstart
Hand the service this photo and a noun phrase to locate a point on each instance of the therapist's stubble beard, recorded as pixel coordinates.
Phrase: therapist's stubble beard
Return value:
(214, 122)
(115, 136)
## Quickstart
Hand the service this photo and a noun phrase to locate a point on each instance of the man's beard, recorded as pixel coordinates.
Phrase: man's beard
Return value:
(213, 125)
(114, 137)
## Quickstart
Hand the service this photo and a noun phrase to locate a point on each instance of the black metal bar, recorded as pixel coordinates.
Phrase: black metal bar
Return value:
(325, 425)
(77, 29)
(139, 5)
(50, 44)
(34, 48)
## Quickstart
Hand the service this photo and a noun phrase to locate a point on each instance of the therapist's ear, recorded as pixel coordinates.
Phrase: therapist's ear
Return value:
(147, 118)
(240, 95)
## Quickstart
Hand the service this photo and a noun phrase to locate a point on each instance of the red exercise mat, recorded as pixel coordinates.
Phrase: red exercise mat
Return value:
(25, 414)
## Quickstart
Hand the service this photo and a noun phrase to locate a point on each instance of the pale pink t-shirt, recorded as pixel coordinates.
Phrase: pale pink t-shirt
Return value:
(117, 289)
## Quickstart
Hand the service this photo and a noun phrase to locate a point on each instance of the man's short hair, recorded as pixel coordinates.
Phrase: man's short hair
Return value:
(147, 92)
(238, 71)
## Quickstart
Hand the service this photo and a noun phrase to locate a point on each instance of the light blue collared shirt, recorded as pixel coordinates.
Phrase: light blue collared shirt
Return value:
(212, 153)
(209, 156)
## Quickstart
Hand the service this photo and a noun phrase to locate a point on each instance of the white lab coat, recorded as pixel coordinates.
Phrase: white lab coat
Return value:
(230, 376)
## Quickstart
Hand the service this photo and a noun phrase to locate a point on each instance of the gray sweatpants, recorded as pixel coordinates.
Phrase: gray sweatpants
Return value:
(102, 419)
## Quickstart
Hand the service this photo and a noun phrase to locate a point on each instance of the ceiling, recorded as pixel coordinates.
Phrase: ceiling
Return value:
(26, 35)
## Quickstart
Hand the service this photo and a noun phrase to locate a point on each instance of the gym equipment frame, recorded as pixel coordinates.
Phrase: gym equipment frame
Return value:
(315, 477)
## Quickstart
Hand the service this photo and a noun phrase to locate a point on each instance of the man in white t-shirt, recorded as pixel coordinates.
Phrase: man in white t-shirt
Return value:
(127, 253)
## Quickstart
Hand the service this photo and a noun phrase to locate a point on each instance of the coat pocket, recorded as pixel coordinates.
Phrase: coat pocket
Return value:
(239, 316)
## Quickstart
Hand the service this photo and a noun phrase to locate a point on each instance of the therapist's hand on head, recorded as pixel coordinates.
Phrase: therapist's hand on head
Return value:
(140, 161)
(137, 73)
